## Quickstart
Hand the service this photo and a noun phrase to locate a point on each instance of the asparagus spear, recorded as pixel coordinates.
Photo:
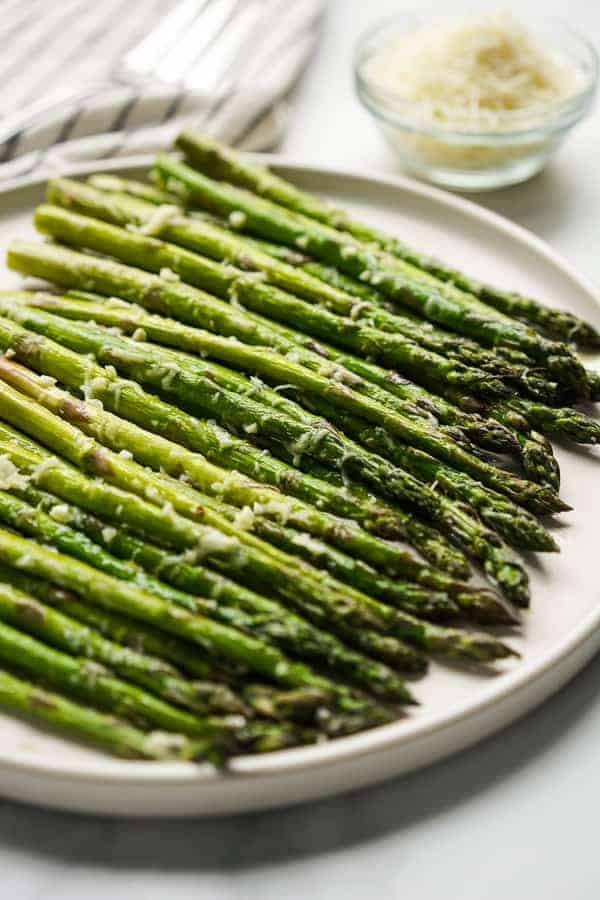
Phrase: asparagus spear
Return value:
(158, 677)
(340, 606)
(412, 598)
(268, 620)
(151, 193)
(228, 643)
(328, 399)
(120, 628)
(276, 368)
(223, 163)
(95, 684)
(216, 482)
(83, 722)
(155, 451)
(197, 308)
(351, 712)
(562, 423)
(79, 372)
(469, 533)
(193, 384)
(143, 408)
(472, 536)
(103, 208)
(519, 528)
(260, 617)
(51, 615)
(118, 506)
(76, 270)
(273, 621)
(477, 604)
(216, 242)
(217, 238)
(441, 303)
(466, 426)
(537, 455)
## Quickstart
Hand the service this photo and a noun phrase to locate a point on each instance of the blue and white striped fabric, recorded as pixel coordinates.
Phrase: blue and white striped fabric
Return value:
(60, 101)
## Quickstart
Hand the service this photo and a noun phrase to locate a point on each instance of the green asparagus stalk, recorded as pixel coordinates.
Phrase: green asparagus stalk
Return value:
(443, 410)
(138, 406)
(473, 603)
(74, 270)
(350, 713)
(329, 400)
(594, 379)
(223, 163)
(51, 615)
(469, 533)
(88, 724)
(106, 591)
(472, 536)
(200, 309)
(412, 598)
(217, 243)
(194, 386)
(122, 629)
(151, 193)
(518, 526)
(518, 368)
(153, 674)
(147, 447)
(383, 385)
(78, 372)
(341, 606)
(260, 361)
(443, 304)
(220, 447)
(537, 455)
(217, 238)
(120, 507)
(91, 682)
(562, 423)
(269, 620)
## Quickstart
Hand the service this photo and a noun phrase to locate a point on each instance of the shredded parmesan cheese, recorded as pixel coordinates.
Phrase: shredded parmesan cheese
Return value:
(244, 519)
(237, 219)
(10, 477)
(214, 541)
(108, 534)
(473, 76)
(160, 217)
(60, 512)
(169, 274)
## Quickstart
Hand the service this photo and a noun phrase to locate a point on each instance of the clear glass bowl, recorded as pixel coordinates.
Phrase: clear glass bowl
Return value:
(477, 160)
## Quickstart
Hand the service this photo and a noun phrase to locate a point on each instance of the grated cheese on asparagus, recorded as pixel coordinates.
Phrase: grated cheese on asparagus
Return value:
(10, 477)
(160, 217)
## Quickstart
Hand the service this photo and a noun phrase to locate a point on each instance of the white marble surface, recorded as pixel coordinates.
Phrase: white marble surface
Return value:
(514, 817)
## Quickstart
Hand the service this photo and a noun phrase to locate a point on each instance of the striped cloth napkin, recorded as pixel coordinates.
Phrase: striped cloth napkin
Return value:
(54, 52)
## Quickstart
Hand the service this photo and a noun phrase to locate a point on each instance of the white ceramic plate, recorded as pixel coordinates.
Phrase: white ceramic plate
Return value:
(560, 634)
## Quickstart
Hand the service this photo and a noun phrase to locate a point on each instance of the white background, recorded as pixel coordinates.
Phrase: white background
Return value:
(516, 817)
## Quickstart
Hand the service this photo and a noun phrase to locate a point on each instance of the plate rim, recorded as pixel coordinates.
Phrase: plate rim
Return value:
(524, 675)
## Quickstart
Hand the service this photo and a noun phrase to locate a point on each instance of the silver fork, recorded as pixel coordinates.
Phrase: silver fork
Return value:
(204, 47)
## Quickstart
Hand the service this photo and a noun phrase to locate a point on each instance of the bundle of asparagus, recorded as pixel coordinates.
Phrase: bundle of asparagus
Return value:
(251, 451)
